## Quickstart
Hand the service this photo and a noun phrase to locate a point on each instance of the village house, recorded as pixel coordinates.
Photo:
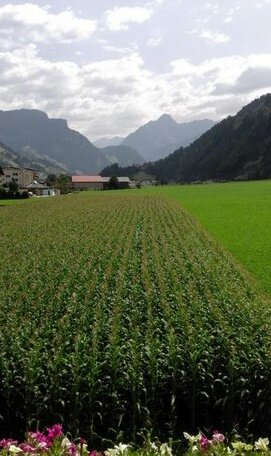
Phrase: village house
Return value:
(97, 182)
(123, 182)
(27, 180)
(22, 176)
(39, 189)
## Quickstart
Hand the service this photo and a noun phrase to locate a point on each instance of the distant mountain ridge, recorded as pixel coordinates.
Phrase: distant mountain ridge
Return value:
(32, 132)
(8, 157)
(160, 137)
(106, 142)
(52, 147)
(237, 148)
(123, 155)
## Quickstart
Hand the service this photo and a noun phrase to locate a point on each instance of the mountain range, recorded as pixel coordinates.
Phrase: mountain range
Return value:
(237, 148)
(37, 138)
(123, 155)
(159, 138)
(8, 157)
(50, 146)
(31, 138)
(106, 142)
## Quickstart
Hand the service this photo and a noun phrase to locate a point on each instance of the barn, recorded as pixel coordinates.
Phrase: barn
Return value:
(97, 182)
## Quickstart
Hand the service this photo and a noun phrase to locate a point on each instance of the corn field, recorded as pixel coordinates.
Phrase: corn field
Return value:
(119, 315)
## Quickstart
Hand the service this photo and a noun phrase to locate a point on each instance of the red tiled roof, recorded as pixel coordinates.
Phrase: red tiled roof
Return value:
(81, 179)
(96, 179)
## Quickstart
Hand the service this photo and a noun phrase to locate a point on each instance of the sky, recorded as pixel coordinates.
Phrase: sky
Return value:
(110, 66)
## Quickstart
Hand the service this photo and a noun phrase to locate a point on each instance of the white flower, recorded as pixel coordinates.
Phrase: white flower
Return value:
(238, 446)
(241, 446)
(165, 450)
(111, 452)
(262, 444)
(65, 443)
(121, 448)
(192, 438)
(14, 449)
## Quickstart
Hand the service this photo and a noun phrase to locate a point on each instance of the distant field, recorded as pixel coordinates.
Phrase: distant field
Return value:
(120, 315)
(237, 214)
(12, 202)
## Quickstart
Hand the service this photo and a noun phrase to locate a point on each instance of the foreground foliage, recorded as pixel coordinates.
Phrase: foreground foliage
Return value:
(53, 442)
(119, 315)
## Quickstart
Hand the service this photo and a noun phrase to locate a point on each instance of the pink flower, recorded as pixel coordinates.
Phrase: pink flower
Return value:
(5, 443)
(27, 448)
(55, 431)
(72, 449)
(40, 439)
(92, 453)
(44, 445)
(218, 437)
(37, 436)
(204, 442)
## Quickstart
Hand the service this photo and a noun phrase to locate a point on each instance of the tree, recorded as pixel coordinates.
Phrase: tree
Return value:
(13, 187)
(1, 171)
(3, 193)
(113, 183)
(63, 182)
(51, 180)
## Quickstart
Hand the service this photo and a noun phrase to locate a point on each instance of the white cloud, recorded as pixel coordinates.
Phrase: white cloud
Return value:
(231, 14)
(212, 7)
(117, 95)
(211, 36)
(119, 18)
(21, 23)
(153, 42)
(263, 3)
(252, 79)
(214, 37)
(115, 49)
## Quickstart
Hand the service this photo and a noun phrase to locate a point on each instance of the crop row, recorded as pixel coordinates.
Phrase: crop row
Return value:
(119, 315)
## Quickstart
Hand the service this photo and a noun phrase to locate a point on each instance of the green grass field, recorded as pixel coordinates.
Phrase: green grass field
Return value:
(237, 214)
(13, 202)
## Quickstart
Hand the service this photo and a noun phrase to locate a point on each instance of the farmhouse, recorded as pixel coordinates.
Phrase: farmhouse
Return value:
(39, 189)
(97, 182)
(123, 182)
(23, 176)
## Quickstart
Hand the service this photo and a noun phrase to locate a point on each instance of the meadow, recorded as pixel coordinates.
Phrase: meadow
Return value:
(10, 202)
(120, 315)
(237, 214)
